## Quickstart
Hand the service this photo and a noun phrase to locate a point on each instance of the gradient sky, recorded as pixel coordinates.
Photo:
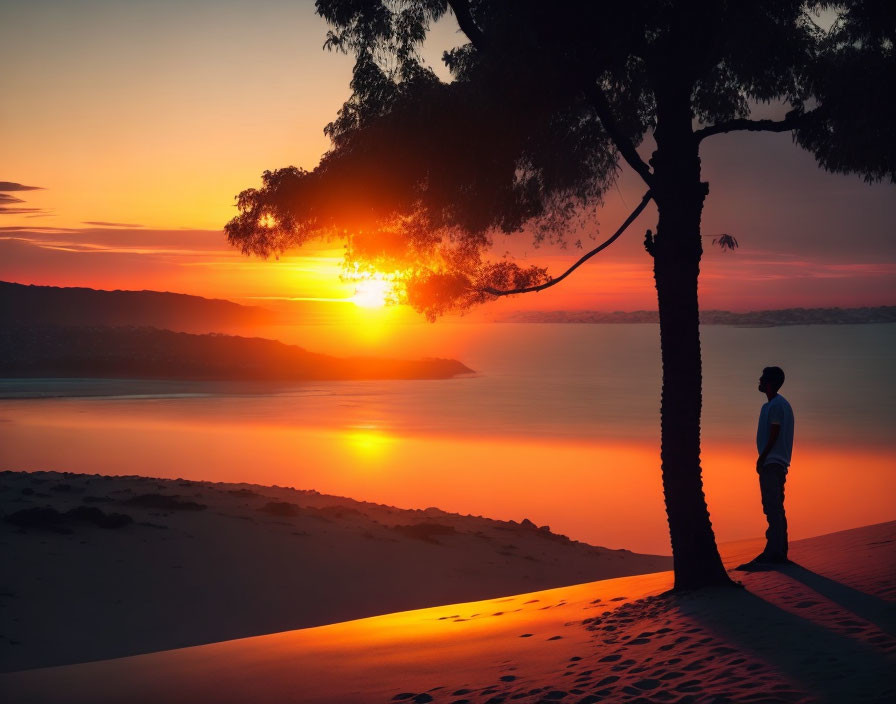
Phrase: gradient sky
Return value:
(133, 124)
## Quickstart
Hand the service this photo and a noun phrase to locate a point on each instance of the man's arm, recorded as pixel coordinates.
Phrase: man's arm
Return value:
(773, 431)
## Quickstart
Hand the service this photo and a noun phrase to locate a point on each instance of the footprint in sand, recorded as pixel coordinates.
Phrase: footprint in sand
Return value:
(647, 684)
(607, 680)
(671, 676)
(689, 686)
(625, 664)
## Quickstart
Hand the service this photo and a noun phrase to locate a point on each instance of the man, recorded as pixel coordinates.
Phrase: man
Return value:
(774, 442)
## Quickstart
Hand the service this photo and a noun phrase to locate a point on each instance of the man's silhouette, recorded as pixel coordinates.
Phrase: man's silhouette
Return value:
(774, 441)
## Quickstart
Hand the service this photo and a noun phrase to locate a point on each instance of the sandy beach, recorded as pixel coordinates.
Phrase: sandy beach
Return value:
(823, 629)
(201, 562)
(818, 631)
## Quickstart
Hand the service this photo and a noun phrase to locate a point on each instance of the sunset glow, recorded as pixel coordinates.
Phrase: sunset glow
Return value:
(400, 350)
(368, 444)
(372, 293)
(483, 475)
(147, 178)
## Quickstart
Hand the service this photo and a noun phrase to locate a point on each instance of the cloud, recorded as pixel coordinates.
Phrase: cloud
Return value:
(141, 241)
(12, 210)
(102, 223)
(7, 186)
(41, 229)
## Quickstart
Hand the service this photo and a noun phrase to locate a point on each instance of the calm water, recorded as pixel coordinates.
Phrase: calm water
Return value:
(560, 423)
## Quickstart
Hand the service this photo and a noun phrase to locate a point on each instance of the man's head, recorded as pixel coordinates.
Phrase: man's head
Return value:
(771, 380)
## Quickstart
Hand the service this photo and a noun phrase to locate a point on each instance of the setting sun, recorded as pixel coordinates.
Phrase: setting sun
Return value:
(372, 293)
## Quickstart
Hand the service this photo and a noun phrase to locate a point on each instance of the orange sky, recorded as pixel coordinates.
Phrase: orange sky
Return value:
(136, 123)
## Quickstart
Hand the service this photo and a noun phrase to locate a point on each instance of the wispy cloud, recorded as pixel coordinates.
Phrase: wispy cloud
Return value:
(100, 240)
(15, 210)
(37, 229)
(7, 186)
(103, 223)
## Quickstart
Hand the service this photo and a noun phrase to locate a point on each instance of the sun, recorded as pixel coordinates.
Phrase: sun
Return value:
(371, 293)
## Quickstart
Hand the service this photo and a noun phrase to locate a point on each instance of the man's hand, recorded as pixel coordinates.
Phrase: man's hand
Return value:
(773, 432)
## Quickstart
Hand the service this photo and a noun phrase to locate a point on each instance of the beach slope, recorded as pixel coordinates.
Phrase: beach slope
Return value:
(99, 567)
(822, 630)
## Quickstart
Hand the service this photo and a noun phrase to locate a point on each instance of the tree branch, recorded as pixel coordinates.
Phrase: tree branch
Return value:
(468, 26)
(793, 120)
(601, 106)
(603, 245)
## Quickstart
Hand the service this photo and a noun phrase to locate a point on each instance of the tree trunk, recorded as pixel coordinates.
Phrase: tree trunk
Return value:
(677, 249)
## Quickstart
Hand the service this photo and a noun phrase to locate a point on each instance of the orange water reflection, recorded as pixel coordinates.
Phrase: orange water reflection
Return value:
(369, 444)
(606, 493)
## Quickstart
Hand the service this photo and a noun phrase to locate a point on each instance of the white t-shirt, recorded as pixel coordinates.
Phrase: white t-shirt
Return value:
(776, 412)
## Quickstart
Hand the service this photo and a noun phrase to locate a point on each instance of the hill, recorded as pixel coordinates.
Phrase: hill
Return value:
(148, 353)
(52, 305)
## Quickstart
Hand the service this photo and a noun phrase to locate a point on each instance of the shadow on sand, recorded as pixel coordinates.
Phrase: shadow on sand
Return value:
(827, 665)
(879, 612)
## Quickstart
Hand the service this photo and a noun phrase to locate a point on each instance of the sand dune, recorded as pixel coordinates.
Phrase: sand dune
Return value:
(820, 631)
(203, 562)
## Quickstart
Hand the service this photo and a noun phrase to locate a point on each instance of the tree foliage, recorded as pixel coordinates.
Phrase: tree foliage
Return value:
(546, 103)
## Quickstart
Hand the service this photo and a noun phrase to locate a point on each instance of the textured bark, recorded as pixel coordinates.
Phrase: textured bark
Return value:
(679, 195)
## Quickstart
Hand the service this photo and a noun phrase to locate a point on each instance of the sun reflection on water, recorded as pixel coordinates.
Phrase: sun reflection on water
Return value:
(368, 442)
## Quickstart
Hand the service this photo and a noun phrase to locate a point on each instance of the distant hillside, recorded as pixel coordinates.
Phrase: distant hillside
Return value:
(760, 318)
(52, 305)
(148, 353)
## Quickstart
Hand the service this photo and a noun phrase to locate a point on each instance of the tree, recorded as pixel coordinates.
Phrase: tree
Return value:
(547, 102)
